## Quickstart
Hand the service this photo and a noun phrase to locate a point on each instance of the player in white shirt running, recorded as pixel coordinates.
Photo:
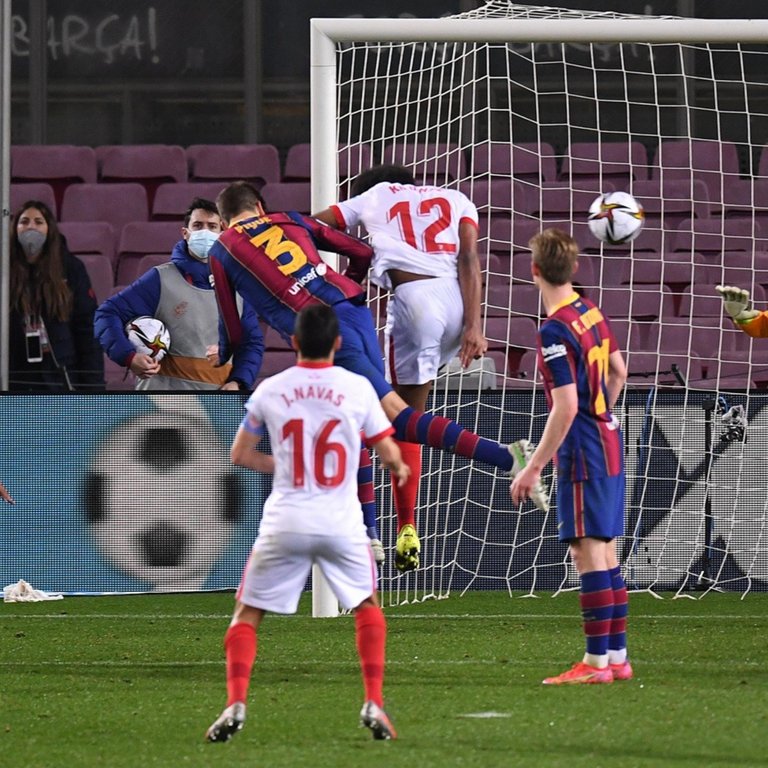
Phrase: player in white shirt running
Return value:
(425, 252)
(315, 413)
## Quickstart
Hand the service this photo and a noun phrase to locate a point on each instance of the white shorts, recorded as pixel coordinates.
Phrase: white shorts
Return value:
(425, 320)
(280, 563)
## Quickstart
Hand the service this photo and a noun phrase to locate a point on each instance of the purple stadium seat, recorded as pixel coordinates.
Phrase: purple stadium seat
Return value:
(716, 163)
(147, 164)
(676, 269)
(704, 301)
(500, 361)
(116, 204)
(172, 200)
(533, 162)
(742, 268)
(258, 163)
(25, 191)
(85, 237)
(100, 271)
(523, 371)
(139, 238)
(613, 162)
(351, 161)
(288, 196)
(56, 164)
(639, 304)
(713, 236)
(437, 163)
(629, 334)
(651, 368)
(150, 260)
(276, 360)
(510, 331)
(507, 236)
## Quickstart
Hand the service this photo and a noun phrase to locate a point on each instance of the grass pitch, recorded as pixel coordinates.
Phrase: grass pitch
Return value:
(136, 680)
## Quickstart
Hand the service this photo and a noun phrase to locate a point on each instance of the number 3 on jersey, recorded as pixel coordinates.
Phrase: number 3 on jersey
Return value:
(329, 460)
(438, 211)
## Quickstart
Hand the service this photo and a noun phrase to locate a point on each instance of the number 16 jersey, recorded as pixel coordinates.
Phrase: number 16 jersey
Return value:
(315, 415)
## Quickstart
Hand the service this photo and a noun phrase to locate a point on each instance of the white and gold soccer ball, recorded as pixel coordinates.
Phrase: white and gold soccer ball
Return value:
(616, 218)
(149, 336)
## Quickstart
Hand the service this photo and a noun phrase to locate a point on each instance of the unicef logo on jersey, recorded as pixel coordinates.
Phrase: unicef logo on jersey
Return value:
(318, 270)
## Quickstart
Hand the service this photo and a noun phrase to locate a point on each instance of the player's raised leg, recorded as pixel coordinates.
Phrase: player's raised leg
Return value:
(240, 644)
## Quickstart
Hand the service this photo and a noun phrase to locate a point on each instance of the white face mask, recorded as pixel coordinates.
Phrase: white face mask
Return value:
(32, 241)
(200, 242)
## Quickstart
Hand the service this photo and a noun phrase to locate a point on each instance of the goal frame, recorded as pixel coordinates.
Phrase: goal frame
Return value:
(327, 33)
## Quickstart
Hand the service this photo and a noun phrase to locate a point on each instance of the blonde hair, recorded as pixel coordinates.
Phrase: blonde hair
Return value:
(555, 253)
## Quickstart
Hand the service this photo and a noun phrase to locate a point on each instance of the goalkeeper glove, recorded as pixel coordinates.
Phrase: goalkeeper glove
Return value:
(737, 303)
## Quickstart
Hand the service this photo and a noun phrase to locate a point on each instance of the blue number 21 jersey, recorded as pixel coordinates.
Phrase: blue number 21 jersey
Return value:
(575, 342)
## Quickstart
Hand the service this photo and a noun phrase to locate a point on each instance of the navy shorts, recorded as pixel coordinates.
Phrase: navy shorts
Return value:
(591, 508)
(360, 351)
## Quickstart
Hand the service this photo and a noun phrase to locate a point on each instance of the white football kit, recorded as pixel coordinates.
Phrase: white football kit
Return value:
(315, 415)
(415, 229)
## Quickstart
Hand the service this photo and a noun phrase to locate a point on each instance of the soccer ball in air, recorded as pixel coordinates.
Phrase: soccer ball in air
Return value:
(149, 336)
(616, 218)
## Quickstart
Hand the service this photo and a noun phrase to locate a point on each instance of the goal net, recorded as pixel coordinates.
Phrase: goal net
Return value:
(533, 112)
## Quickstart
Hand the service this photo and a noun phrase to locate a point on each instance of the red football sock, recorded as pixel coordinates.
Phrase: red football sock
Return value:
(371, 637)
(405, 497)
(240, 643)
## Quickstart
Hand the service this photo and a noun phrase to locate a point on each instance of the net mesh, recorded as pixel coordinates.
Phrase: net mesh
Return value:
(532, 133)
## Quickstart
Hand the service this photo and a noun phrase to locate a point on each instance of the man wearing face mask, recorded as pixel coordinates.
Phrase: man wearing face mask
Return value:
(180, 295)
(51, 344)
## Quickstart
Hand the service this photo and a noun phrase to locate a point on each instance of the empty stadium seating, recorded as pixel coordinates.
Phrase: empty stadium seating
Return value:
(615, 162)
(351, 161)
(100, 271)
(258, 163)
(90, 237)
(139, 238)
(437, 163)
(172, 200)
(533, 162)
(23, 192)
(288, 196)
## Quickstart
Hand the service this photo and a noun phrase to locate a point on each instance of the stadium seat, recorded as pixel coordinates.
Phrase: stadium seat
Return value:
(647, 369)
(667, 205)
(508, 236)
(614, 162)
(523, 373)
(629, 334)
(437, 163)
(24, 191)
(506, 298)
(139, 238)
(59, 165)
(351, 161)
(733, 371)
(716, 163)
(640, 304)
(742, 268)
(511, 331)
(84, 237)
(533, 162)
(714, 236)
(704, 301)
(276, 360)
(257, 163)
(172, 200)
(675, 270)
(116, 204)
(101, 272)
(150, 260)
(147, 164)
(288, 196)
(497, 198)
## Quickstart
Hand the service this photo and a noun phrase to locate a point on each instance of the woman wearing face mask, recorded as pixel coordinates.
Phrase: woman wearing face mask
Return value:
(52, 306)
(180, 295)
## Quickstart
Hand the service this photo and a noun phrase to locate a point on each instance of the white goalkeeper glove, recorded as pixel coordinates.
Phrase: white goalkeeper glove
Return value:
(737, 303)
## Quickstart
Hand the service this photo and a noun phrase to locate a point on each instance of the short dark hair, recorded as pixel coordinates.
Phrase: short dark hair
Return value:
(555, 253)
(237, 197)
(316, 331)
(200, 203)
(395, 174)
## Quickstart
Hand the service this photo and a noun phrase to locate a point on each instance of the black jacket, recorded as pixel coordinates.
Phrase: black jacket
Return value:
(76, 358)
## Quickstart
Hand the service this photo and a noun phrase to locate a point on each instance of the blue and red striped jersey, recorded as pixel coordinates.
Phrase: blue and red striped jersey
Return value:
(574, 343)
(272, 261)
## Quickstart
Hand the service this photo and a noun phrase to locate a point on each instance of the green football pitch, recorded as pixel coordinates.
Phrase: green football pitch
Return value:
(136, 680)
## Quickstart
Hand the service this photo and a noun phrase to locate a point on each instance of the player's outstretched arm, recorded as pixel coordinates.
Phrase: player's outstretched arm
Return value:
(5, 496)
(389, 453)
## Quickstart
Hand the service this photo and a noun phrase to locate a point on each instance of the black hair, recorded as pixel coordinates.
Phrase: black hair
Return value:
(316, 331)
(395, 174)
(200, 203)
(237, 197)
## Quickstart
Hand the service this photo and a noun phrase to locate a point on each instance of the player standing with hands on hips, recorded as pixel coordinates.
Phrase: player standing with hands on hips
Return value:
(314, 413)
(424, 240)
(584, 372)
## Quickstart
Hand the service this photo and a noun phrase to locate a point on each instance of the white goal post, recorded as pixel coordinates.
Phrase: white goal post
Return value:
(373, 84)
